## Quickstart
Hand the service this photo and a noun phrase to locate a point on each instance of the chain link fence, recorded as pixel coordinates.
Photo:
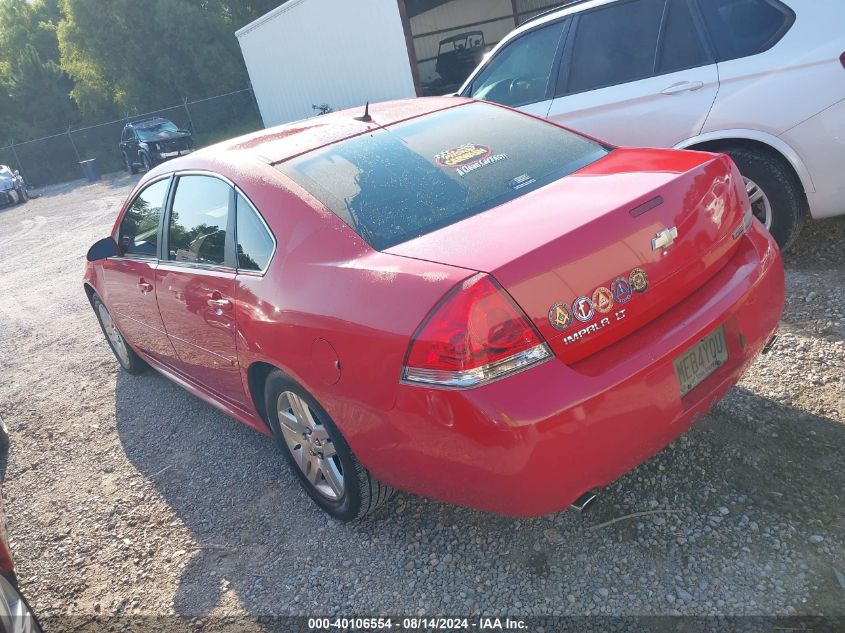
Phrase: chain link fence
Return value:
(55, 159)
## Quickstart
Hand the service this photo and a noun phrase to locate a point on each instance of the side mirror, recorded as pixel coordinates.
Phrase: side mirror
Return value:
(102, 249)
(17, 173)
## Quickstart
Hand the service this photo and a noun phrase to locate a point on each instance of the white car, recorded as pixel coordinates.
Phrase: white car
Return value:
(760, 80)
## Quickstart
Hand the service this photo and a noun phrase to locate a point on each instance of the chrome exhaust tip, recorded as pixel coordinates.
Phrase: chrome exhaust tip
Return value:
(584, 501)
(770, 345)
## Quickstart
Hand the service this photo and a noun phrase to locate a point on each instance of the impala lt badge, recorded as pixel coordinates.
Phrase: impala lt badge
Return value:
(664, 239)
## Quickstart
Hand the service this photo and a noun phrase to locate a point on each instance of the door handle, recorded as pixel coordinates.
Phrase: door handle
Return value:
(145, 287)
(683, 86)
(219, 304)
(216, 301)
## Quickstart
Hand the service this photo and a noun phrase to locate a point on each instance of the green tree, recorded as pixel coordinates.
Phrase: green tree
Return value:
(65, 62)
(40, 90)
(145, 54)
(33, 88)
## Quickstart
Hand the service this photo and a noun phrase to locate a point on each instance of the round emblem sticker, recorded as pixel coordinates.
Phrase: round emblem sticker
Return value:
(639, 280)
(583, 309)
(560, 316)
(603, 300)
(621, 289)
(457, 156)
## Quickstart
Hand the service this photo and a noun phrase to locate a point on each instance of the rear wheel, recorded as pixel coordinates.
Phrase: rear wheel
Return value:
(318, 453)
(125, 355)
(24, 194)
(14, 196)
(775, 193)
(146, 162)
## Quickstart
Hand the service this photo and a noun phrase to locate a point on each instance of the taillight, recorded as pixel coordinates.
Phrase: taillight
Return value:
(747, 219)
(748, 212)
(474, 335)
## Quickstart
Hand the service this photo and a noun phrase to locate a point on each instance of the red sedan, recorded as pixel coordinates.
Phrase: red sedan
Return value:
(444, 296)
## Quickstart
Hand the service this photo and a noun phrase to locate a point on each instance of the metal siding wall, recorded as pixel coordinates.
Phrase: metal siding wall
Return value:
(326, 51)
(452, 18)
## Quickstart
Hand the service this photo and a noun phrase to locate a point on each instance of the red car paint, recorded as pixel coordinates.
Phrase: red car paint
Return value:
(7, 563)
(338, 316)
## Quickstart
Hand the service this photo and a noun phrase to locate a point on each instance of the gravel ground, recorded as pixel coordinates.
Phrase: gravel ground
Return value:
(126, 495)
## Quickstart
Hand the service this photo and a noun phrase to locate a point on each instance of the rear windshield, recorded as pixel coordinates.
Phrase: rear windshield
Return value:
(396, 183)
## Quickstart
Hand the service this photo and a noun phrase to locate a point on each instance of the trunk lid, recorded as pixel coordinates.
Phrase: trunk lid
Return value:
(579, 251)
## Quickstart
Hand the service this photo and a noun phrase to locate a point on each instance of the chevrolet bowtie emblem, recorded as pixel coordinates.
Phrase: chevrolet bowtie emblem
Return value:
(664, 239)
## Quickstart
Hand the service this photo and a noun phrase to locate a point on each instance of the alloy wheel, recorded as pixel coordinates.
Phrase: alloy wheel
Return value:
(113, 335)
(310, 445)
(761, 207)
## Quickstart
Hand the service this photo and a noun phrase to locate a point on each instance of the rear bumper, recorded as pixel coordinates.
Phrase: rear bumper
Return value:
(531, 443)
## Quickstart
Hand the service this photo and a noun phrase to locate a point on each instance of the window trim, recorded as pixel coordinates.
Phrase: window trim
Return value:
(242, 271)
(550, 83)
(228, 264)
(164, 210)
(773, 41)
(231, 225)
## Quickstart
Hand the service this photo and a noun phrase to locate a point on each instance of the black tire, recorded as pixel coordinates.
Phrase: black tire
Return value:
(145, 160)
(130, 167)
(780, 185)
(130, 361)
(24, 195)
(363, 494)
(14, 197)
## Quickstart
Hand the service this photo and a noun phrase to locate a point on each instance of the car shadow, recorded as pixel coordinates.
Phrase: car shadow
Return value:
(818, 247)
(256, 531)
(814, 272)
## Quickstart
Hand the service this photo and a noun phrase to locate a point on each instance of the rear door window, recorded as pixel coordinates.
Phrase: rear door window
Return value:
(138, 232)
(681, 46)
(396, 183)
(519, 73)
(199, 221)
(615, 44)
(739, 28)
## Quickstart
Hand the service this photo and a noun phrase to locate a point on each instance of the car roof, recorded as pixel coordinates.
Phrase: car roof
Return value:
(283, 142)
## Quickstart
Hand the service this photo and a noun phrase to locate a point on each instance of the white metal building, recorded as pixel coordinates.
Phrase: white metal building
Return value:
(345, 52)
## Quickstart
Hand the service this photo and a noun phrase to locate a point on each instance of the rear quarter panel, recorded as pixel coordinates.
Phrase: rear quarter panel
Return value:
(758, 92)
(330, 312)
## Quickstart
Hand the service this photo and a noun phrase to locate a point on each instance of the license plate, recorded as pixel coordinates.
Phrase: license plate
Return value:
(169, 154)
(701, 360)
